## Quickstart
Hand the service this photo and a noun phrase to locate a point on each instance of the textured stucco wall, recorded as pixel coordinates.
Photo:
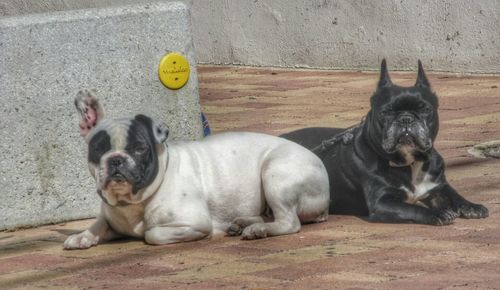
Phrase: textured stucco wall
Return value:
(448, 35)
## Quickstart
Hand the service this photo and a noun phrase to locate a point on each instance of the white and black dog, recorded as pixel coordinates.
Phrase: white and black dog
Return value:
(168, 193)
(386, 167)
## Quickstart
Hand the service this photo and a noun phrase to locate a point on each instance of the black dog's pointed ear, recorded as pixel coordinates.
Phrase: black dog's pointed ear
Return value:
(422, 80)
(385, 79)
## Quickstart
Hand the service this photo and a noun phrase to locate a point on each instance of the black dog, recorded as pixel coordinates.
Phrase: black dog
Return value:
(386, 167)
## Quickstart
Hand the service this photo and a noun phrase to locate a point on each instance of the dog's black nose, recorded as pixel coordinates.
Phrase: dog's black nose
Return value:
(406, 118)
(117, 161)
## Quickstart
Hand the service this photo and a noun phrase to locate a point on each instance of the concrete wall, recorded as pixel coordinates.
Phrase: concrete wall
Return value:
(44, 60)
(448, 35)
(21, 7)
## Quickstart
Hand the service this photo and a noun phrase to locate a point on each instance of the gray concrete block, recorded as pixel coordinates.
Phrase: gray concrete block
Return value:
(19, 7)
(45, 59)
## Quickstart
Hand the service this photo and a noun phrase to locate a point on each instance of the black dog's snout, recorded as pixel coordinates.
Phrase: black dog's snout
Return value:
(406, 118)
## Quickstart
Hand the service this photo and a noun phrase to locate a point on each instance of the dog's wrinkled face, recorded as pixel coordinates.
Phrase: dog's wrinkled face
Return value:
(404, 120)
(123, 154)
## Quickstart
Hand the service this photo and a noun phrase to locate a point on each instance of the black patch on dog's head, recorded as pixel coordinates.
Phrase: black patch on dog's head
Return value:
(98, 146)
(141, 146)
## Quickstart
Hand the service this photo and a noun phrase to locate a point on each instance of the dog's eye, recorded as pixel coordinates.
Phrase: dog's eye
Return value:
(427, 110)
(139, 150)
(384, 113)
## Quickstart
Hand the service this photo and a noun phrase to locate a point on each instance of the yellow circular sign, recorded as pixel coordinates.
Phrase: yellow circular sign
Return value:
(173, 70)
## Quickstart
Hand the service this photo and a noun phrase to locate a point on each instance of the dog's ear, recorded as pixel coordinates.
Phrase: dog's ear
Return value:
(159, 129)
(422, 80)
(90, 109)
(385, 79)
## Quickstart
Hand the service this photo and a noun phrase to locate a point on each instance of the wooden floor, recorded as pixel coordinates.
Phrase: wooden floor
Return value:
(345, 252)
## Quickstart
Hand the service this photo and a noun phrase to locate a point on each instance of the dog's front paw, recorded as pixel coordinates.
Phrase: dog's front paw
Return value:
(444, 217)
(254, 231)
(472, 211)
(82, 240)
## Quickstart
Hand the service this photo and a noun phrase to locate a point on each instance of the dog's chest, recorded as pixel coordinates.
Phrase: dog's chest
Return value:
(126, 220)
(421, 183)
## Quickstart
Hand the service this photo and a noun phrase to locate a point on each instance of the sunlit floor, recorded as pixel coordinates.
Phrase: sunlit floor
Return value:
(345, 252)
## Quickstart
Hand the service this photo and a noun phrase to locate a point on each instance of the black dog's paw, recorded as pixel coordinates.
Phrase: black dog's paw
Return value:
(444, 217)
(472, 211)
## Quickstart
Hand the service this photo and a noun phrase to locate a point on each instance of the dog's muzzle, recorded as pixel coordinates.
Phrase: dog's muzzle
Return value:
(406, 140)
(119, 171)
(407, 132)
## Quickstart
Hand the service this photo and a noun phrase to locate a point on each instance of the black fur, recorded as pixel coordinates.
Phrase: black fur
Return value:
(368, 167)
(141, 146)
(98, 146)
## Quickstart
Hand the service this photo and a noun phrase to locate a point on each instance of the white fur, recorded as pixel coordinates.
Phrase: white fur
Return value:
(422, 184)
(208, 184)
